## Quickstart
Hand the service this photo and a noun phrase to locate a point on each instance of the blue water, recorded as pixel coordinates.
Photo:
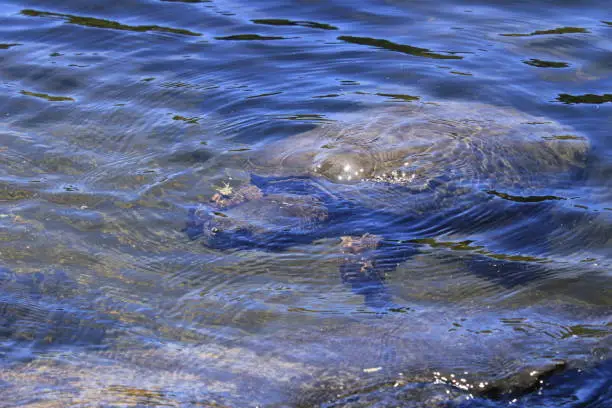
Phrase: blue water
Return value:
(119, 119)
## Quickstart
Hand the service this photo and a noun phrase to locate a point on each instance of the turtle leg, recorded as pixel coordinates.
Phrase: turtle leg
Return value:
(365, 280)
(367, 260)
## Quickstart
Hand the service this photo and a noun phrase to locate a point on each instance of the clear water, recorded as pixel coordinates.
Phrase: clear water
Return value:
(120, 117)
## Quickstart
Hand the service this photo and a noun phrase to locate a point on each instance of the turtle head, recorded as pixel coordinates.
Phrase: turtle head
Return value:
(216, 229)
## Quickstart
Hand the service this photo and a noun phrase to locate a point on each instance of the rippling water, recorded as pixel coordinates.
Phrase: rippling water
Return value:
(491, 282)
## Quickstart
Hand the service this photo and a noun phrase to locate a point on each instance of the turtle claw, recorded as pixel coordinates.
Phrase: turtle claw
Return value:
(364, 279)
(367, 259)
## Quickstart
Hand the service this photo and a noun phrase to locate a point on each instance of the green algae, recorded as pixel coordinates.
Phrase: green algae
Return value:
(400, 97)
(50, 98)
(326, 96)
(107, 24)
(461, 73)
(524, 199)
(546, 64)
(585, 331)
(467, 246)
(263, 95)
(560, 30)
(307, 117)
(186, 119)
(249, 37)
(564, 137)
(285, 22)
(391, 46)
(586, 98)
(10, 193)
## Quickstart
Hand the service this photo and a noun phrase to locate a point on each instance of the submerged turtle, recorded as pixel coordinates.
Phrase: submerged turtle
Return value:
(380, 178)
(477, 146)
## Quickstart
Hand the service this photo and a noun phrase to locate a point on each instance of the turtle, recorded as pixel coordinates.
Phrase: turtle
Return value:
(380, 179)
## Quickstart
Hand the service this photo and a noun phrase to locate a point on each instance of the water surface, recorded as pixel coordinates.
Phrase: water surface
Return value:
(118, 117)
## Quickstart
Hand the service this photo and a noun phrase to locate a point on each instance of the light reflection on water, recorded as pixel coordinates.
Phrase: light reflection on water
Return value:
(118, 118)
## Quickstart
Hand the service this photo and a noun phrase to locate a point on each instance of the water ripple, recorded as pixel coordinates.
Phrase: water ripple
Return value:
(485, 256)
